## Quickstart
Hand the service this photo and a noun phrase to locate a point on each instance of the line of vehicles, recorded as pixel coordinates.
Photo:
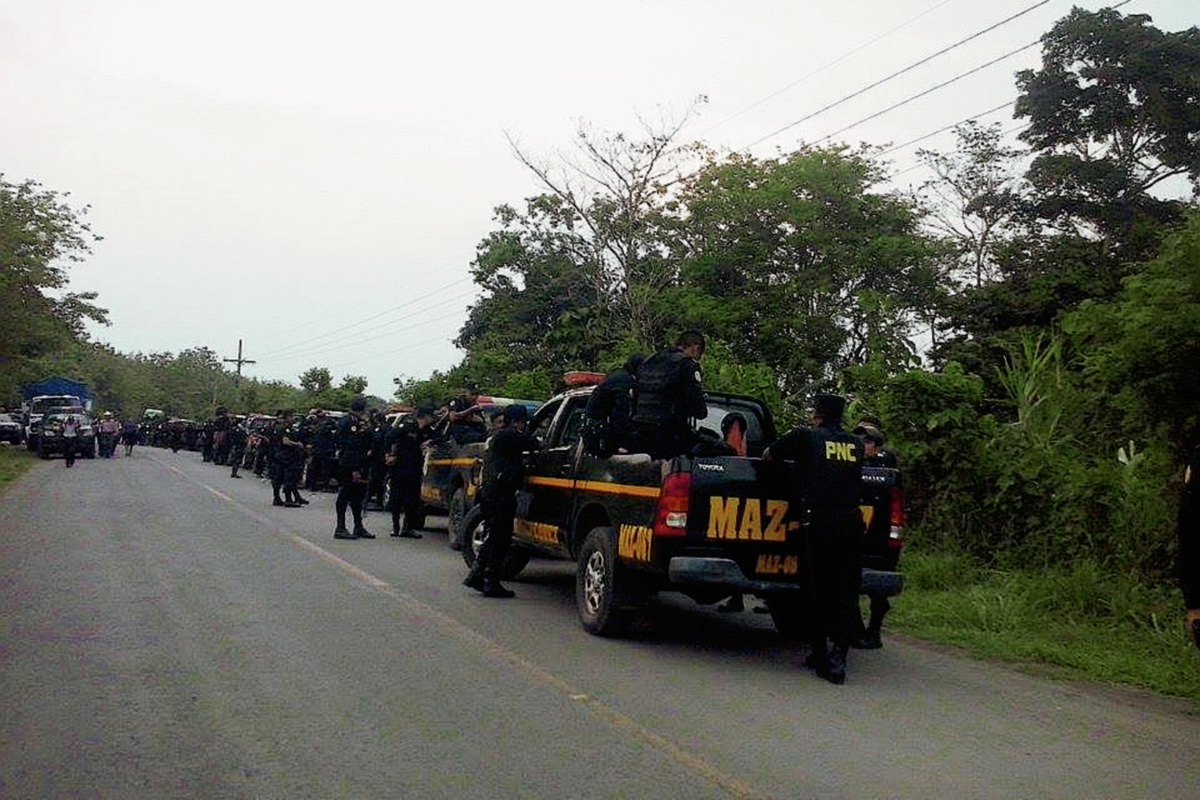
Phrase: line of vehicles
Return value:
(709, 527)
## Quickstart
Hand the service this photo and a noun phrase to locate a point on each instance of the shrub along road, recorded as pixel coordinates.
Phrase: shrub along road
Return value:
(168, 633)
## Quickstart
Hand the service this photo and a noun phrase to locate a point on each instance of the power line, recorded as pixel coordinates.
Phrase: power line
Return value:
(931, 134)
(356, 342)
(900, 72)
(931, 89)
(367, 319)
(337, 342)
(826, 66)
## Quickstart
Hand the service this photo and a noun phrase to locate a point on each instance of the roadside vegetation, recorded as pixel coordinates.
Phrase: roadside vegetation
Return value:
(1042, 431)
(15, 461)
(1079, 622)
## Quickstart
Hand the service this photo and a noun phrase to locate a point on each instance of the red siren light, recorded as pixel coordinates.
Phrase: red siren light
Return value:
(576, 379)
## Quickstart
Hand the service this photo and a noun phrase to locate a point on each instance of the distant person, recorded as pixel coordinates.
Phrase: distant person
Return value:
(670, 395)
(404, 460)
(70, 438)
(1187, 527)
(353, 446)
(129, 436)
(107, 434)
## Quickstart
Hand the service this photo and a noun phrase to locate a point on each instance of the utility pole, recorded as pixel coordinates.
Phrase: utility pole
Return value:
(239, 361)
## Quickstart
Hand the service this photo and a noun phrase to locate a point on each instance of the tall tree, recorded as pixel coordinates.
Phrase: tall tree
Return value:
(41, 236)
(797, 263)
(1114, 112)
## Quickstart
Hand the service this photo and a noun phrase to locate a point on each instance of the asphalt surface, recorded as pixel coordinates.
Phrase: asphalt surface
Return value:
(166, 633)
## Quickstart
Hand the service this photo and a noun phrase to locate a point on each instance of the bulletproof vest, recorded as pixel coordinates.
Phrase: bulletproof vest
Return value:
(659, 385)
(503, 459)
(833, 474)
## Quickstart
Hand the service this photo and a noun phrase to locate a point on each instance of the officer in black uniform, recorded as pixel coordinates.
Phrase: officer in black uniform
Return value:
(377, 471)
(503, 474)
(353, 446)
(404, 459)
(869, 635)
(324, 444)
(610, 411)
(220, 429)
(237, 447)
(1188, 529)
(829, 473)
(669, 395)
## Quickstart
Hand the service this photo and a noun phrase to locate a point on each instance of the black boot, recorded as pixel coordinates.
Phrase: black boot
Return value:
(406, 531)
(493, 588)
(474, 579)
(818, 656)
(834, 669)
(362, 533)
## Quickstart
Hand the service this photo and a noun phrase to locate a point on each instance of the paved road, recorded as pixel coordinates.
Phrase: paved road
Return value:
(165, 633)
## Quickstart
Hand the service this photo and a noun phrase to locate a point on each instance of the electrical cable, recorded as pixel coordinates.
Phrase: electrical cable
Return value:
(337, 342)
(898, 73)
(980, 115)
(826, 66)
(370, 318)
(355, 343)
(930, 90)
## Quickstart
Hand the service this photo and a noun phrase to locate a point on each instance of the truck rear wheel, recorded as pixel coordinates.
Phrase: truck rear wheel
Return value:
(606, 594)
(475, 533)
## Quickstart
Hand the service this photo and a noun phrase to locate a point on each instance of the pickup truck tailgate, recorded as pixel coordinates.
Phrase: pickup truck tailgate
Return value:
(740, 510)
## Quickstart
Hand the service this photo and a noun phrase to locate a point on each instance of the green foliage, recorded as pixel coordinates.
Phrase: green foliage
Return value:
(1079, 617)
(1140, 349)
(1113, 112)
(41, 235)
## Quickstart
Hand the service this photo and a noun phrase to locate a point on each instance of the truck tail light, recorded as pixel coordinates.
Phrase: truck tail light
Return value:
(671, 517)
(899, 519)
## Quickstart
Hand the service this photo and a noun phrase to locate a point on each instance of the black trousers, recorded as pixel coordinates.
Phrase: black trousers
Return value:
(405, 498)
(835, 561)
(499, 509)
(350, 494)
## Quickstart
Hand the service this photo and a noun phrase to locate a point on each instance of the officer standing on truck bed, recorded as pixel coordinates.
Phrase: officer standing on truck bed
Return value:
(610, 410)
(829, 472)
(669, 395)
(503, 474)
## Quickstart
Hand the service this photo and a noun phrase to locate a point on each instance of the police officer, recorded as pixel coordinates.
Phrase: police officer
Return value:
(220, 429)
(610, 411)
(669, 395)
(404, 460)
(353, 447)
(237, 447)
(1188, 529)
(829, 474)
(870, 634)
(503, 474)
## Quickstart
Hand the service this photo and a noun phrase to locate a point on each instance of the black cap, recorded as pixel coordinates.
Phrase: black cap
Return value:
(425, 411)
(869, 434)
(829, 406)
(516, 413)
(358, 404)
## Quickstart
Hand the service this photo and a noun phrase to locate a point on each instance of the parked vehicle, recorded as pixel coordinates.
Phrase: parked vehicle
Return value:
(11, 430)
(710, 527)
(51, 441)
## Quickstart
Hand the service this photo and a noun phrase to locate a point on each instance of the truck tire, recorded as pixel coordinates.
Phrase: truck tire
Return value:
(606, 595)
(457, 518)
(787, 612)
(475, 534)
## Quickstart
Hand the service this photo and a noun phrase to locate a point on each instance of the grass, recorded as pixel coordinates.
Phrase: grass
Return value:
(15, 461)
(1079, 622)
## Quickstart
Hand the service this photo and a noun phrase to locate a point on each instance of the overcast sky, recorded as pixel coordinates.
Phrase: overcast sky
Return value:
(314, 178)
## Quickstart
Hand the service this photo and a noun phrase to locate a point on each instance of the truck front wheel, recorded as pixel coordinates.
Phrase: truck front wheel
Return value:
(475, 533)
(605, 593)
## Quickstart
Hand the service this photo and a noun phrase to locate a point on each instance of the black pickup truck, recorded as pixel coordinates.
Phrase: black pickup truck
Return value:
(708, 527)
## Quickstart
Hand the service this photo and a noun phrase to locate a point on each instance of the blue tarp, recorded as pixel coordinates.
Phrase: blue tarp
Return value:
(57, 385)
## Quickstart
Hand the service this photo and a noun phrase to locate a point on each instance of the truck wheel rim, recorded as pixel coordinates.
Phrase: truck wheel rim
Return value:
(478, 536)
(594, 583)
